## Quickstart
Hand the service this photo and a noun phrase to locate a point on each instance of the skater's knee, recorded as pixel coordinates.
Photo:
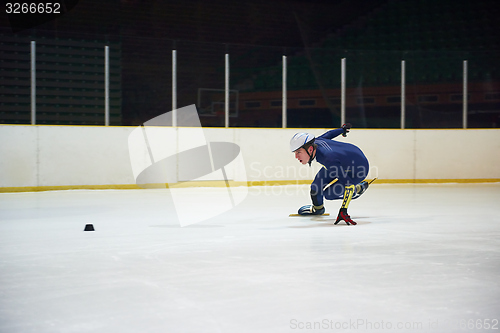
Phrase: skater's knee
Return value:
(335, 192)
(333, 197)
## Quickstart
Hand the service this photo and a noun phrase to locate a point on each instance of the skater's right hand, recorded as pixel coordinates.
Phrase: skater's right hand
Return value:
(311, 210)
(346, 128)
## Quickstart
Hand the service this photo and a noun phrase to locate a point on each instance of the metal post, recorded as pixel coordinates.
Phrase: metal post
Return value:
(403, 94)
(342, 97)
(464, 114)
(106, 85)
(283, 103)
(174, 88)
(33, 83)
(226, 93)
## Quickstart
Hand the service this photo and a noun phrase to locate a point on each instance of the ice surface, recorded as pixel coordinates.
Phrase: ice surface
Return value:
(422, 258)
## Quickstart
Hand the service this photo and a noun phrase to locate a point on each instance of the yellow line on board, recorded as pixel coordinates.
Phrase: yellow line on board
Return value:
(222, 183)
(438, 181)
(68, 187)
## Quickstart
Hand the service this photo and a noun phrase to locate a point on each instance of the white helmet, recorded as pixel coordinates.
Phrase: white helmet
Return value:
(299, 140)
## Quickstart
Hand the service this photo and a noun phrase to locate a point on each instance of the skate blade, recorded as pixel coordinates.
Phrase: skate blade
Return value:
(326, 214)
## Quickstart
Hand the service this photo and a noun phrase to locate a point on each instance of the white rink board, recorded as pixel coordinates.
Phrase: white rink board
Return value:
(18, 156)
(33, 156)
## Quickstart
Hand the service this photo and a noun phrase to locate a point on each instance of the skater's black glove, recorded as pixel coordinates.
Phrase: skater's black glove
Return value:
(311, 210)
(346, 128)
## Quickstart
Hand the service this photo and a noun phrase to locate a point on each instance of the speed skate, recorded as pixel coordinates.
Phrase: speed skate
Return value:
(360, 191)
(325, 214)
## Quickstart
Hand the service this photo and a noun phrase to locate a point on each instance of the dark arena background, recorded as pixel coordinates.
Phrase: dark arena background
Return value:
(438, 41)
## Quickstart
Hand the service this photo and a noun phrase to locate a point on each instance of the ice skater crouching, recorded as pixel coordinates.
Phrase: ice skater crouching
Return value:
(342, 176)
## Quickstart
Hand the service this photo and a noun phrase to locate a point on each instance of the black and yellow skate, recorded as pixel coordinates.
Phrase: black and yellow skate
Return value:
(361, 188)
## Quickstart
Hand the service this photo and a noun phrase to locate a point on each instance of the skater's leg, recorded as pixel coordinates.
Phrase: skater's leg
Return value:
(343, 216)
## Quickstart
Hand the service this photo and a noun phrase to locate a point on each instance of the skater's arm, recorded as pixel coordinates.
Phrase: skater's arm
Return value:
(317, 188)
(336, 132)
(324, 179)
(332, 133)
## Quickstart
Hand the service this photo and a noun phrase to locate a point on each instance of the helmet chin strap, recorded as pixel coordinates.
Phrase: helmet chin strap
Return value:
(311, 158)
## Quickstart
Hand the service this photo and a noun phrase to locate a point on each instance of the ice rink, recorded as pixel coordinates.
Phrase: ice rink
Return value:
(422, 258)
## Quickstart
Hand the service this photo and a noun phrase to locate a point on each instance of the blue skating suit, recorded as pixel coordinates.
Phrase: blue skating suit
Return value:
(343, 164)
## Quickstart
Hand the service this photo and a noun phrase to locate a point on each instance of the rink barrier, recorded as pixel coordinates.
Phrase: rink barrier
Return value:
(217, 183)
(46, 158)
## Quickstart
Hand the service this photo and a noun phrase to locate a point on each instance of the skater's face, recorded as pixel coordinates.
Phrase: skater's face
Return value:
(302, 156)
